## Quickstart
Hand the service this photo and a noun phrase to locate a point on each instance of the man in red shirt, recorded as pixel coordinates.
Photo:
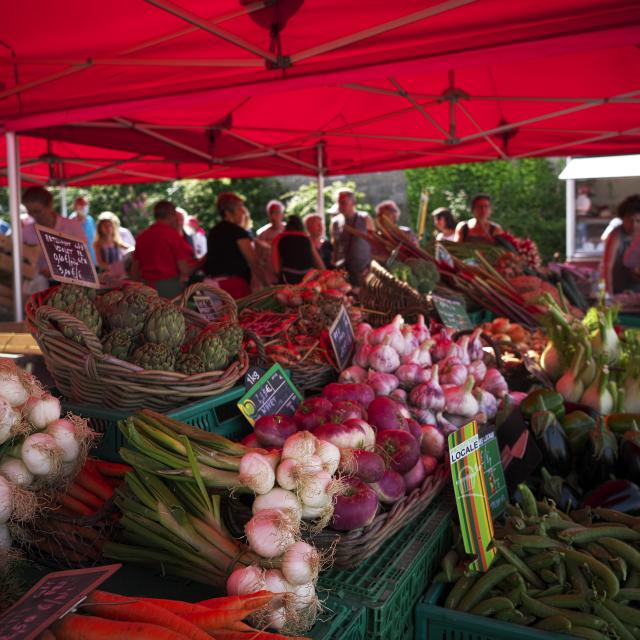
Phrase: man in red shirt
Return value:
(163, 259)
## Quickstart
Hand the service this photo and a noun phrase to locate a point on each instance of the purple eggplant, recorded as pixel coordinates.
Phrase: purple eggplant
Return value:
(553, 443)
(598, 460)
(619, 495)
(559, 491)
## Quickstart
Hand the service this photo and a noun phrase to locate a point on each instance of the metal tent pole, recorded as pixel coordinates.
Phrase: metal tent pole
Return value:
(13, 169)
(63, 201)
(571, 218)
(320, 184)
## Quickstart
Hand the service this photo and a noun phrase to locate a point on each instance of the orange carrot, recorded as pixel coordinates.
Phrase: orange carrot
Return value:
(92, 481)
(111, 469)
(116, 607)
(178, 607)
(80, 627)
(78, 492)
(254, 634)
(250, 601)
(78, 508)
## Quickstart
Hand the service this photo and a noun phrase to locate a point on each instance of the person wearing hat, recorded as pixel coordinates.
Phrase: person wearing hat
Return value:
(445, 224)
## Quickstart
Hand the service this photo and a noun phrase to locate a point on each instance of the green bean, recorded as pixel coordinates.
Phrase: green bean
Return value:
(553, 623)
(535, 542)
(628, 594)
(529, 504)
(513, 510)
(597, 551)
(619, 566)
(607, 576)
(491, 606)
(556, 524)
(582, 535)
(448, 564)
(549, 577)
(458, 572)
(633, 581)
(622, 550)
(543, 560)
(510, 615)
(515, 595)
(541, 610)
(522, 568)
(566, 601)
(616, 516)
(479, 590)
(577, 578)
(554, 590)
(585, 632)
(608, 616)
(562, 571)
(625, 614)
(459, 590)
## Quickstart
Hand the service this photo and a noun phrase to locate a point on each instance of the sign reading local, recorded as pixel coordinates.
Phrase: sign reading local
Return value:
(342, 338)
(452, 312)
(53, 596)
(272, 393)
(67, 257)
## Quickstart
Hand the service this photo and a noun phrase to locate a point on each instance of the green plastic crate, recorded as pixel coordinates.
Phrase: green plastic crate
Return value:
(437, 623)
(218, 414)
(339, 621)
(390, 583)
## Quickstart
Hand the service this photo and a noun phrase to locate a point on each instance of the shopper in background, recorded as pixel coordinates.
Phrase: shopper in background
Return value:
(125, 235)
(198, 237)
(265, 275)
(389, 210)
(293, 253)
(445, 224)
(315, 229)
(231, 256)
(479, 228)
(109, 247)
(81, 213)
(162, 258)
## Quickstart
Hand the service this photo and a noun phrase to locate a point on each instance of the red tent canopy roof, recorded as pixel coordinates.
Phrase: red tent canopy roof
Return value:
(202, 90)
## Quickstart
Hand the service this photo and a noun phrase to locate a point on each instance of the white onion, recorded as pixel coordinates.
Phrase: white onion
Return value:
(246, 580)
(313, 513)
(6, 499)
(300, 446)
(14, 470)
(313, 489)
(271, 532)
(43, 411)
(304, 595)
(9, 419)
(64, 433)
(312, 465)
(12, 389)
(278, 498)
(286, 474)
(5, 538)
(276, 582)
(41, 454)
(256, 473)
(330, 456)
(278, 619)
(301, 563)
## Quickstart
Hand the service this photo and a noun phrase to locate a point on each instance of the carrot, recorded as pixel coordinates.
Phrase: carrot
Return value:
(250, 601)
(178, 607)
(86, 533)
(254, 634)
(78, 492)
(52, 549)
(92, 481)
(227, 619)
(78, 508)
(111, 469)
(115, 607)
(77, 627)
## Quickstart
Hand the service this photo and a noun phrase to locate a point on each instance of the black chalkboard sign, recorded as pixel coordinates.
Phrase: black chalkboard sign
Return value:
(68, 258)
(50, 599)
(273, 393)
(252, 376)
(342, 338)
(453, 313)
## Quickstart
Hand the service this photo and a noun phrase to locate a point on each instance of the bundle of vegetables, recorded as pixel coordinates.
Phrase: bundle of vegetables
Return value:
(513, 335)
(525, 248)
(314, 285)
(576, 575)
(441, 381)
(104, 615)
(419, 274)
(39, 450)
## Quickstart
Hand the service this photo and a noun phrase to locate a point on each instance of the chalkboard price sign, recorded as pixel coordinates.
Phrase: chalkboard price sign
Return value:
(252, 376)
(208, 307)
(50, 599)
(453, 313)
(342, 338)
(273, 393)
(68, 258)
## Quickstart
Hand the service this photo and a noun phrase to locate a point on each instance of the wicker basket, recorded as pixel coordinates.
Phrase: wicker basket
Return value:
(354, 547)
(84, 373)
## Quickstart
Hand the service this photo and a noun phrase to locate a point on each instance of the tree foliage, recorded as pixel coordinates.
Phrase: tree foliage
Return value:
(304, 199)
(527, 197)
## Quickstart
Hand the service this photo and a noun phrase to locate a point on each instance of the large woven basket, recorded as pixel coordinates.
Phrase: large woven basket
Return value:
(352, 548)
(84, 373)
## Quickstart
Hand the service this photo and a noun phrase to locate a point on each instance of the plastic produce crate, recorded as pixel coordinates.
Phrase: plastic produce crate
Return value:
(218, 414)
(339, 621)
(389, 584)
(433, 622)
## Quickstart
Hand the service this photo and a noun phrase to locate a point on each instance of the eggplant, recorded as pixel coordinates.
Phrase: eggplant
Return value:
(628, 465)
(620, 423)
(620, 495)
(559, 491)
(577, 425)
(552, 441)
(542, 400)
(597, 462)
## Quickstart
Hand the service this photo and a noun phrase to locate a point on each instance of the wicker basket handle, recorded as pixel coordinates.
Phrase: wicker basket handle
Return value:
(229, 304)
(260, 348)
(492, 343)
(46, 315)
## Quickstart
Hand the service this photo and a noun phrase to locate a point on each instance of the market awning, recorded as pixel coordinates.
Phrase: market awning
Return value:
(605, 167)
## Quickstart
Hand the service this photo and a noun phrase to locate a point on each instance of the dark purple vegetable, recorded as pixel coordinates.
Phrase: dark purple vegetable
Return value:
(354, 391)
(272, 431)
(620, 495)
(355, 507)
(598, 460)
(415, 477)
(366, 465)
(559, 491)
(628, 465)
(400, 448)
(344, 410)
(385, 413)
(553, 443)
(312, 413)
(390, 488)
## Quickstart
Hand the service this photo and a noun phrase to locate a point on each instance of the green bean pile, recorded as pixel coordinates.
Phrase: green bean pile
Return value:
(577, 575)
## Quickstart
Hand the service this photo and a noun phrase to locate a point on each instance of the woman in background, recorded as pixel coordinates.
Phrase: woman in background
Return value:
(293, 253)
(315, 229)
(445, 224)
(108, 246)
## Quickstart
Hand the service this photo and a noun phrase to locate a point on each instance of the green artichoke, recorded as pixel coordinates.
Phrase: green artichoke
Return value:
(231, 337)
(118, 343)
(156, 357)
(109, 300)
(165, 325)
(209, 347)
(150, 292)
(189, 364)
(84, 310)
(131, 312)
(66, 295)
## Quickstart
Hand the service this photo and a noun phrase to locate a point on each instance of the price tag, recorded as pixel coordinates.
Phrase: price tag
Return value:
(50, 599)
(68, 258)
(453, 313)
(272, 393)
(342, 338)
(443, 256)
(473, 485)
(252, 376)
(207, 306)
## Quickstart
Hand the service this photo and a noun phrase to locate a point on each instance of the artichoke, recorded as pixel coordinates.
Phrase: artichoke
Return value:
(156, 357)
(85, 311)
(209, 347)
(130, 312)
(118, 343)
(189, 364)
(108, 300)
(66, 295)
(231, 337)
(165, 325)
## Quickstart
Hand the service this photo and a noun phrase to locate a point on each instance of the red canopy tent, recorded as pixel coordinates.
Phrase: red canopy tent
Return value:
(128, 90)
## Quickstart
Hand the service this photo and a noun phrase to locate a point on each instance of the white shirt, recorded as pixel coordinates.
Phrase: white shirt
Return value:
(127, 237)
